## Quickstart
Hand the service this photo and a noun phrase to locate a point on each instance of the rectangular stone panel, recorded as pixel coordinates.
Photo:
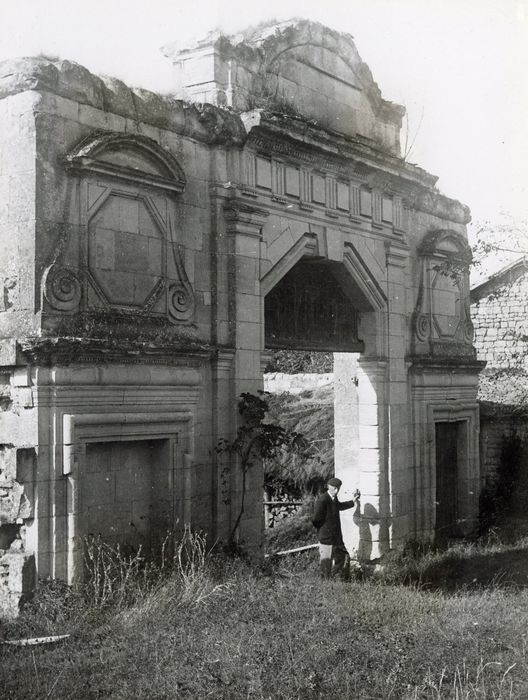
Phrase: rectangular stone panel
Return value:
(318, 189)
(263, 174)
(292, 186)
(123, 490)
(343, 200)
(365, 202)
(386, 209)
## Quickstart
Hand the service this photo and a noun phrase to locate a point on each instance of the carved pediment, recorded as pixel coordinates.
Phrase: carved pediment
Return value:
(129, 157)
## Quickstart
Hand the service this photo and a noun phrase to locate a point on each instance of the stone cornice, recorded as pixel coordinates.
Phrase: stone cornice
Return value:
(67, 350)
(452, 364)
(291, 137)
(74, 82)
(242, 217)
(299, 137)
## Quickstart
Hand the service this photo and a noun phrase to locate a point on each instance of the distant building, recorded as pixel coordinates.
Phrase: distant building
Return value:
(499, 311)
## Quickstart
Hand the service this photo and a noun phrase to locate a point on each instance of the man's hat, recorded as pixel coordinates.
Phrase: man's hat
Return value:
(334, 481)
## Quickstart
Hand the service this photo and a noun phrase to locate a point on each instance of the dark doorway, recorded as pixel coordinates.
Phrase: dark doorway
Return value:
(447, 467)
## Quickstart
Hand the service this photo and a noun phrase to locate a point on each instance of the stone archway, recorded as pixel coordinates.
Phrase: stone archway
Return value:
(334, 303)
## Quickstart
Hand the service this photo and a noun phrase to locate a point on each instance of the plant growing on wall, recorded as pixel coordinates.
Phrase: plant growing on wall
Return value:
(257, 439)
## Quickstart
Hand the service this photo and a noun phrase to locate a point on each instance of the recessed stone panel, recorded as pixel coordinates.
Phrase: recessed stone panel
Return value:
(292, 186)
(318, 189)
(386, 209)
(365, 202)
(343, 196)
(263, 174)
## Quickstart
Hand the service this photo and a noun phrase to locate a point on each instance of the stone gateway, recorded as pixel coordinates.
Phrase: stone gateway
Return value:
(153, 249)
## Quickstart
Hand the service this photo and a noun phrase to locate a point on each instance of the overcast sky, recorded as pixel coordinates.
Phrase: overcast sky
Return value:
(459, 66)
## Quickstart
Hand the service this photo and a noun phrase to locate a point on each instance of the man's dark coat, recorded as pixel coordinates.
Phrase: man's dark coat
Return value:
(326, 518)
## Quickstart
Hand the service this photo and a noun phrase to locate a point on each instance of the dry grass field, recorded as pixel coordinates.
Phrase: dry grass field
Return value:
(442, 625)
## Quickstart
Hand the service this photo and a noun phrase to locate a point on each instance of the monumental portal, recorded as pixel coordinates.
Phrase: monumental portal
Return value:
(154, 248)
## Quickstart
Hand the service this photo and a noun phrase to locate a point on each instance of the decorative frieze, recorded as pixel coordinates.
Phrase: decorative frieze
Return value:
(312, 189)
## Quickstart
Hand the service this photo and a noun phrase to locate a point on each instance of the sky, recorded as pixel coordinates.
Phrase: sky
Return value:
(460, 67)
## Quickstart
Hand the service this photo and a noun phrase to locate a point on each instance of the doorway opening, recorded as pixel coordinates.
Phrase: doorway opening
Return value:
(448, 438)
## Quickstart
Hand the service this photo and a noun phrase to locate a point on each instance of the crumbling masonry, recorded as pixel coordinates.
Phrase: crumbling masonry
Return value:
(153, 249)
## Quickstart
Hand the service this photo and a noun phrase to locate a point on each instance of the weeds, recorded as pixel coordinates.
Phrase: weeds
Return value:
(112, 575)
(224, 629)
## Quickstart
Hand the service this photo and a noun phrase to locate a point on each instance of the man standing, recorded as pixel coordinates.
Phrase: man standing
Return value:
(327, 520)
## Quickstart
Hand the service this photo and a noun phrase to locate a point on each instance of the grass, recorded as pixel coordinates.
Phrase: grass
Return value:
(226, 629)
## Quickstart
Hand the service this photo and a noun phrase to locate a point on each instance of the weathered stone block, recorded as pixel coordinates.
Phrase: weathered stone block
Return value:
(17, 581)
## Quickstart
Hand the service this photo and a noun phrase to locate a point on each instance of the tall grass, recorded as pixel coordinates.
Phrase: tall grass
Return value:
(225, 629)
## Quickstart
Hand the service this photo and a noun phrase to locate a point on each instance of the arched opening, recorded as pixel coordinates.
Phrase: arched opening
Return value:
(333, 309)
(315, 306)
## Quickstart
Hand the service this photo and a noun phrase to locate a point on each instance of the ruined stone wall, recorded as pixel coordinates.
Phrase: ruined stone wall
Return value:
(294, 67)
(93, 358)
(500, 318)
(17, 213)
(164, 241)
(496, 425)
(18, 432)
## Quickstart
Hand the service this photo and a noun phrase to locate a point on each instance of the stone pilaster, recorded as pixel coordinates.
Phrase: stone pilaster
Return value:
(374, 482)
(246, 307)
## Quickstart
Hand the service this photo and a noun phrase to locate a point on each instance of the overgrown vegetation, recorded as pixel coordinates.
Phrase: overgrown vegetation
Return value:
(300, 362)
(223, 629)
(310, 413)
(257, 439)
